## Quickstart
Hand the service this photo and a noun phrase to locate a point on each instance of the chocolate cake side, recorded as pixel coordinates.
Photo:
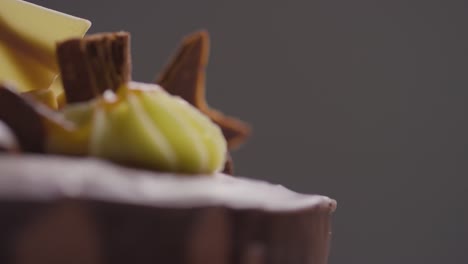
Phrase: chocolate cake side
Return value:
(70, 210)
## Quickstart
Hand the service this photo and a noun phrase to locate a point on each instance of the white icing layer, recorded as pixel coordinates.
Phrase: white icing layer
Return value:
(48, 177)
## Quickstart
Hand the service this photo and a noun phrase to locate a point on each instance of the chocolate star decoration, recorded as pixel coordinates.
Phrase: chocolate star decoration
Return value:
(184, 76)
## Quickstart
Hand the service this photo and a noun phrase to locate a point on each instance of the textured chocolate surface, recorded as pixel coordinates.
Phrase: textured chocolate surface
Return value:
(63, 210)
(93, 64)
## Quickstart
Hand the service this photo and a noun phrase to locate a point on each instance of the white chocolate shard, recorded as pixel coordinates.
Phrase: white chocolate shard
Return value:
(28, 36)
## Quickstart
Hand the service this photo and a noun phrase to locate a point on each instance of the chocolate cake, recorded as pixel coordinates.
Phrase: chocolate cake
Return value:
(96, 168)
(69, 210)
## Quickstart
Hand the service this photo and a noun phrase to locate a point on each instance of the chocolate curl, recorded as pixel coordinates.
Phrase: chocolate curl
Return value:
(94, 64)
(27, 119)
(19, 113)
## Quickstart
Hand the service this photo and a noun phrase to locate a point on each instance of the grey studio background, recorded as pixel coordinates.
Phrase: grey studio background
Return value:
(361, 100)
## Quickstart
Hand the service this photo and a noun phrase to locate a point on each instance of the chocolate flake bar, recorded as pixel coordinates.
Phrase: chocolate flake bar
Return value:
(96, 63)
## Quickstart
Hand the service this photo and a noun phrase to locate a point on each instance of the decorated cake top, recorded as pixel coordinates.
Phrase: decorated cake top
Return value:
(93, 108)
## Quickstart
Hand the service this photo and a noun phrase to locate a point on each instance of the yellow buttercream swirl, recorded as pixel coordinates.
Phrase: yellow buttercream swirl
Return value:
(142, 125)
